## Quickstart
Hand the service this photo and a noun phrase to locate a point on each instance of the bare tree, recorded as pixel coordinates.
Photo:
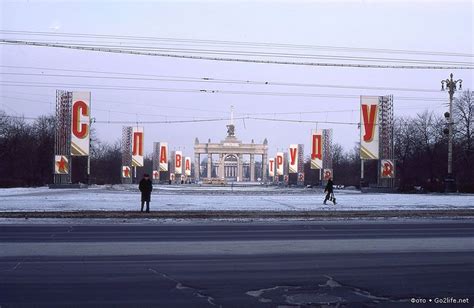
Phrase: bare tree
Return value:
(463, 113)
(464, 119)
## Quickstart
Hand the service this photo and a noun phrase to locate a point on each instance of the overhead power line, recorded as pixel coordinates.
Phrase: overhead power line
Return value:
(203, 91)
(308, 112)
(213, 80)
(227, 52)
(200, 121)
(108, 110)
(241, 44)
(213, 58)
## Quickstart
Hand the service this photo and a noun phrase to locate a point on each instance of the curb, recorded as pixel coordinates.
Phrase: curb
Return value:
(242, 214)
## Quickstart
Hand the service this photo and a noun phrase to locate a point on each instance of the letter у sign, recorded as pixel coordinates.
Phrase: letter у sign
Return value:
(293, 162)
(369, 127)
(80, 123)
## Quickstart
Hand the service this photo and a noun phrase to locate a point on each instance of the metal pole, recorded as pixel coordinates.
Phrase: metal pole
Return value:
(450, 136)
(451, 84)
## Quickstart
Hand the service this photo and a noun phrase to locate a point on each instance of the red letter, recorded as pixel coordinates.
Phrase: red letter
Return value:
(137, 143)
(279, 161)
(293, 155)
(163, 158)
(369, 121)
(178, 161)
(188, 167)
(79, 131)
(271, 165)
(317, 147)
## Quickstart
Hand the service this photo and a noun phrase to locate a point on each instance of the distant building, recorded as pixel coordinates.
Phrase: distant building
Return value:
(225, 160)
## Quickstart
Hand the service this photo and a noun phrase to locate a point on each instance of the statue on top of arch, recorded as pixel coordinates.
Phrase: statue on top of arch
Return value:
(230, 130)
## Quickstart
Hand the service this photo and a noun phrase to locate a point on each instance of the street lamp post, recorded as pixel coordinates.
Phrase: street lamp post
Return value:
(451, 85)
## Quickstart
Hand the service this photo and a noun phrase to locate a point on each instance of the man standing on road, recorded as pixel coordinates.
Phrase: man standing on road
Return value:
(330, 192)
(146, 187)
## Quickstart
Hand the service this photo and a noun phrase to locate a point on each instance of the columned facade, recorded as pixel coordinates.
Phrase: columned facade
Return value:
(231, 160)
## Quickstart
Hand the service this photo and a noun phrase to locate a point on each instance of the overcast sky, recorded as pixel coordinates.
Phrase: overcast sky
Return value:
(443, 26)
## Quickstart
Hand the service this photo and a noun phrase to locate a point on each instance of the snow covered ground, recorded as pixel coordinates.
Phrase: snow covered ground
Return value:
(189, 198)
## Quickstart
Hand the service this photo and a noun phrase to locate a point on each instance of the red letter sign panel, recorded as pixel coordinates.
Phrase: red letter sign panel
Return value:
(187, 166)
(80, 122)
(279, 163)
(178, 162)
(137, 146)
(369, 129)
(293, 161)
(163, 156)
(317, 149)
(271, 167)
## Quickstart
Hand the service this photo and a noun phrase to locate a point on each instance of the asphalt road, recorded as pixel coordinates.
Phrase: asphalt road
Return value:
(306, 264)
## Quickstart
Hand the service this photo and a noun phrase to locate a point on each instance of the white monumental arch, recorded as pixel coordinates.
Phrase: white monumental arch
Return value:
(229, 158)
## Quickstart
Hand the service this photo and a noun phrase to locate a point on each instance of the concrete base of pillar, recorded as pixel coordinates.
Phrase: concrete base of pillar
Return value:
(450, 184)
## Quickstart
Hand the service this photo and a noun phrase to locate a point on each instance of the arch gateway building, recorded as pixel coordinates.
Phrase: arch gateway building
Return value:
(225, 160)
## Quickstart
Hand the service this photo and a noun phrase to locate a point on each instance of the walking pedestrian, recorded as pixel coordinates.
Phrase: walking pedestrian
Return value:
(146, 187)
(329, 190)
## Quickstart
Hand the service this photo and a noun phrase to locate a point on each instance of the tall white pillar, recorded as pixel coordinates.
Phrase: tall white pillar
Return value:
(264, 167)
(197, 166)
(252, 168)
(209, 165)
(221, 166)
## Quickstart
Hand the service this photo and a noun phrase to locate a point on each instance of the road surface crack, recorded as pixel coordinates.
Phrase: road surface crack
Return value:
(331, 293)
(185, 288)
(15, 267)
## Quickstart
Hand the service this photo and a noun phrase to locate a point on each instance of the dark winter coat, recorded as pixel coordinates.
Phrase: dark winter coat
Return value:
(146, 187)
(329, 187)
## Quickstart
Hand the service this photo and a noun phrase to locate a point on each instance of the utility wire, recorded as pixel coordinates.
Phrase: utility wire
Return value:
(180, 56)
(161, 40)
(200, 121)
(243, 114)
(107, 110)
(205, 91)
(129, 48)
(216, 80)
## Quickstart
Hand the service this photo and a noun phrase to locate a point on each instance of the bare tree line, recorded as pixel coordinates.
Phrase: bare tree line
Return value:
(26, 153)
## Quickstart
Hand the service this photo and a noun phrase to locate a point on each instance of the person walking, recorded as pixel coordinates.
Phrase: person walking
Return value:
(146, 187)
(329, 190)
